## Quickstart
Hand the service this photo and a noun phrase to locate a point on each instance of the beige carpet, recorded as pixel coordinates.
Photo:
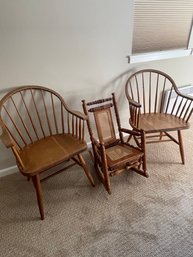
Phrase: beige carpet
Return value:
(143, 216)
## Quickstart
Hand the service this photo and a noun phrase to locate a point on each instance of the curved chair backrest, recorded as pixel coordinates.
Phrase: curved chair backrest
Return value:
(156, 92)
(30, 113)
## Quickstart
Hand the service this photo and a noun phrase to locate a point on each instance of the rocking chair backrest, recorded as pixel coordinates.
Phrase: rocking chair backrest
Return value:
(104, 111)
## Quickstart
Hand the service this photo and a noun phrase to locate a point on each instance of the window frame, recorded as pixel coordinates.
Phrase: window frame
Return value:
(160, 55)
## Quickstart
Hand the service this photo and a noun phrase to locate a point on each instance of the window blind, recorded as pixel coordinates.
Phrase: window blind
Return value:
(161, 25)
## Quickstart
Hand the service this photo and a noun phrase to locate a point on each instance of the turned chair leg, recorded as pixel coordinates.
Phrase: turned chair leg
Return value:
(143, 147)
(86, 170)
(181, 146)
(37, 185)
(106, 174)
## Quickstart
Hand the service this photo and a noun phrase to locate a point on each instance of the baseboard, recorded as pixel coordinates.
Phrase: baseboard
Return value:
(8, 171)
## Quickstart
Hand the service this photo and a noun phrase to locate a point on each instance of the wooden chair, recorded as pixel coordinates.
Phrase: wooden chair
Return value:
(111, 155)
(157, 107)
(42, 132)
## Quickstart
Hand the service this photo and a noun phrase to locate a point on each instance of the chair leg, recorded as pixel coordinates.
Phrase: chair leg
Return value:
(105, 171)
(37, 185)
(86, 170)
(181, 146)
(143, 147)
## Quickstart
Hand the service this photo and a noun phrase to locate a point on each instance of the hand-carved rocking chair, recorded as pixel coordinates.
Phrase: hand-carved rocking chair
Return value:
(157, 107)
(111, 155)
(42, 132)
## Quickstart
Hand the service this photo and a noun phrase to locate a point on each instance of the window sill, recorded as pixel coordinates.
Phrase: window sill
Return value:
(153, 56)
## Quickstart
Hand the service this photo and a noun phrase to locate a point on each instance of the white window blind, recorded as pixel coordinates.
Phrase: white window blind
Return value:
(161, 25)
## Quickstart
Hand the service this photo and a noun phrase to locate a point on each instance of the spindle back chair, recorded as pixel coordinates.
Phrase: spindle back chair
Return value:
(43, 133)
(157, 107)
(111, 155)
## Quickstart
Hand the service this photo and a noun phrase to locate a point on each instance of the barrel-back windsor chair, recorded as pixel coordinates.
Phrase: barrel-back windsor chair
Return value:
(111, 155)
(157, 107)
(43, 133)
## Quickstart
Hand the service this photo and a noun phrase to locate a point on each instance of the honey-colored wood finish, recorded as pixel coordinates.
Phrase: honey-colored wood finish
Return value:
(111, 155)
(43, 133)
(151, 95)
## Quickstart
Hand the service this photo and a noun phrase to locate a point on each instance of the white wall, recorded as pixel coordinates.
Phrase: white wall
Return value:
(77, 47)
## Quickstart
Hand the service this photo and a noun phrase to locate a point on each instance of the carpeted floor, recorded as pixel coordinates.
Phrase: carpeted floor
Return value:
(143, 217)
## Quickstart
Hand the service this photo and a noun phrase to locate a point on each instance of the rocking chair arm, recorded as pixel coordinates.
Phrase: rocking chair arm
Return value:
(131, 132)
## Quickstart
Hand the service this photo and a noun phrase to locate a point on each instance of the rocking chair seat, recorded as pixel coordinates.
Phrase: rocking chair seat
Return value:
(121, 155)
(49, 151)
(157, 122)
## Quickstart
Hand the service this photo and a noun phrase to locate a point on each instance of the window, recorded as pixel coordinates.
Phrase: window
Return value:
(162, 29)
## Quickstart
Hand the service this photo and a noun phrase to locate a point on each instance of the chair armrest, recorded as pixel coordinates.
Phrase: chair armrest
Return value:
(131, 132)
(136, 104)
(6, 139)
(78, 114)
(183, 95)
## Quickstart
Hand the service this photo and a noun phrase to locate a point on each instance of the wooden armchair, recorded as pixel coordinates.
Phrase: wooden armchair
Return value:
(157, 107)
(42, 132)
(111, 155)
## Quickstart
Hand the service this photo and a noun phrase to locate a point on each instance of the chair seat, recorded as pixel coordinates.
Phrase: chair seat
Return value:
(157, 122)
(50, 151)
(121, 154)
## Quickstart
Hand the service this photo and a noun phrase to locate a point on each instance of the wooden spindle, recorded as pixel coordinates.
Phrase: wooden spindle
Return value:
(132, 95)
(54, 113)
(72, 119)
(83, 130)
(30, 118)
(187, 110)
(76, 122)
(143, 83)
(168, 99)
(179, 106)
(15, 126)
(38, 115)
(174, 105)
(80, 125)
(150, 92)
(22, 121)
(62, 118)
(183, 108)
(137, 86)
(68, 123)
(156, 94)
(12, 137)
(163, 96)
(46, 112)
(189, 115)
